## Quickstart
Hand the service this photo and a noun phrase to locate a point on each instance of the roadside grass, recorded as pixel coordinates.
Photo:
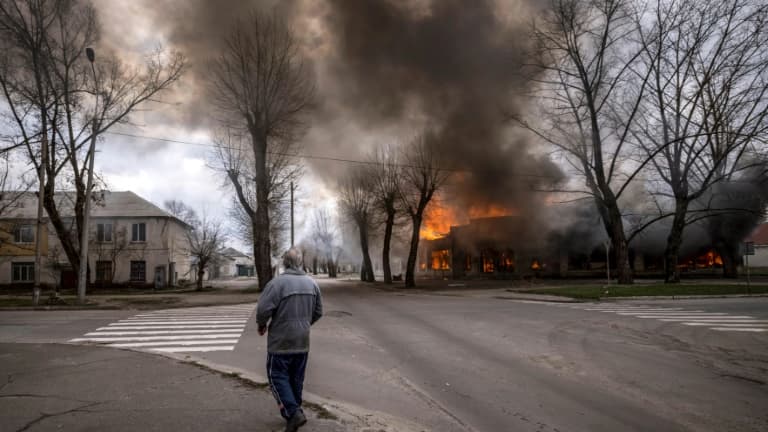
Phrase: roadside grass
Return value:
(16, 302)
(252, 289)
(151, 301)
(45, 301)
(595, 292)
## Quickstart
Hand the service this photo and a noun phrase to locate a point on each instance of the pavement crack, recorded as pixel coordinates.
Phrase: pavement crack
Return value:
(63, 366)
(38, 396)
(44, 416)
(743, 378)
(9, 380)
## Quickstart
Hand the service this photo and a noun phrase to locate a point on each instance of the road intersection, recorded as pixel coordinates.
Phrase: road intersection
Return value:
(463, 361)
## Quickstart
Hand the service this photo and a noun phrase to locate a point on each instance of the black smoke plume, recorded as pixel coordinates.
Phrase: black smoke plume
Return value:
(458, 65)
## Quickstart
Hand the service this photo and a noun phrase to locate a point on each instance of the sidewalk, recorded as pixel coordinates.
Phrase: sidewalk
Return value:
(143, 301)
(73, 388)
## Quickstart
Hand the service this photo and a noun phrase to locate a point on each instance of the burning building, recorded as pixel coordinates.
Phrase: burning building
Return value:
(499, 246)
(510, 246)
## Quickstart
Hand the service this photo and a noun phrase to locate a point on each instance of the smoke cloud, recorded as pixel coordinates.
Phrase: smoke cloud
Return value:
(456, 68)
(388, 69)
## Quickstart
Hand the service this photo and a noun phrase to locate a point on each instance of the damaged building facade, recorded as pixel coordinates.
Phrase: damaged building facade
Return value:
(506, 247)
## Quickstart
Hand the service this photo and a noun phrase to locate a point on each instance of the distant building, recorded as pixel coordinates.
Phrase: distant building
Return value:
(760, 239)
(236, 263)
(228, 263)
(132, 242)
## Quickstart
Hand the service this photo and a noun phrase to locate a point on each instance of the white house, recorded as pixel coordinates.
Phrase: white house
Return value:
(235, 263)
(760, 239)
(229, 263)
(132, 241)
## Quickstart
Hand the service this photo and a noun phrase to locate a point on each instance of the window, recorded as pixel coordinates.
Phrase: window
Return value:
(104, 232)
(138, 270)
(23, 272)
(103, 271)
(139, 232)
(24, 234)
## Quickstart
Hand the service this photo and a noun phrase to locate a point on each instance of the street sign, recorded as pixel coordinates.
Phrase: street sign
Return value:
(749, 248)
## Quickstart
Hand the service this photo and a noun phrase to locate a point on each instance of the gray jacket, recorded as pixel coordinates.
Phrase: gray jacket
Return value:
(292, 300)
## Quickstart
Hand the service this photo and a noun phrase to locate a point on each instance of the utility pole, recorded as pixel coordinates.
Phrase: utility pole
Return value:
(292, 238)
(40, 218)
(608, 260)
(83, 274)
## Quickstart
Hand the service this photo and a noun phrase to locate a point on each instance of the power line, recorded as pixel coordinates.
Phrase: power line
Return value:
(311, 156)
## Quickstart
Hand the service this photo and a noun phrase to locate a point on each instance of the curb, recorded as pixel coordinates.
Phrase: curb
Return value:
(347, 415)
(128, 307)
(685, 297)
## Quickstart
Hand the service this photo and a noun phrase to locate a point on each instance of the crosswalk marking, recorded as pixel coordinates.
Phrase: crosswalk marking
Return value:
(199, 329)
(692, 317)
(159, 332)
(180, 343)
(719, 321)
(150, 338)
(193, 349)
(716, 320)
(150, 327)
(243, 321)
(727, 324)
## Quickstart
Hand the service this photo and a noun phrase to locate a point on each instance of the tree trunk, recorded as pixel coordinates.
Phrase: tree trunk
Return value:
(366, 272)
(730, 255)
(387, 240)
(410, 276)
(674, 240)
(314, 265)
(262, 253)
(62, 232)
(331, 267)
(200, 275)
(620, 246)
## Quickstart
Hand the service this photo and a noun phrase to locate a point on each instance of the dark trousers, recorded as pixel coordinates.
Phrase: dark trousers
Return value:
(286, 379)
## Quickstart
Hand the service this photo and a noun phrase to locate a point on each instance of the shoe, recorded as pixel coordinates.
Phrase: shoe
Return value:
(294, 423)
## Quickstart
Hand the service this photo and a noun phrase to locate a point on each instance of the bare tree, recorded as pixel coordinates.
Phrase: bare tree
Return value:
(262, 89)
(326, 234)
(49, 88)
(12, 193)
(386, 178)
(242, 225)
(110, 248)
(585, 58)
(706, 103)
(422, 177)
(204, 241)
(356, 197)
(181, 211)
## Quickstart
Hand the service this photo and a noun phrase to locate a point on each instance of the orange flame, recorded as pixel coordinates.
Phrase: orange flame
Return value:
(438, 220)
(535, 265)
(490, 210)
(441, 260)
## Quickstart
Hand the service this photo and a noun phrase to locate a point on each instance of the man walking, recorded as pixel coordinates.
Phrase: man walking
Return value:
(292, 302)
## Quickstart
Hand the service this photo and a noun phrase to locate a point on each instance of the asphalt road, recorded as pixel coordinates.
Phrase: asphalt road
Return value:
(490, 364)
(470, 362)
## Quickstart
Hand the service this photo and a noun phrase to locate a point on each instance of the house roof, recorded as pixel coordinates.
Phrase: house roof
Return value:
(109, 204)
(760, 235)
(232, 252)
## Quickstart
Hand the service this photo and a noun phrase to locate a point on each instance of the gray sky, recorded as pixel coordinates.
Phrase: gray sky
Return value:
(385, 70)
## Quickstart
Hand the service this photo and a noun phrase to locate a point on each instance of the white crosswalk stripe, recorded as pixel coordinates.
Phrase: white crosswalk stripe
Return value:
(200, 329)
(719, 321)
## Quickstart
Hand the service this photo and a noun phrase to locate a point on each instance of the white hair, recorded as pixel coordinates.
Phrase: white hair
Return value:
(292, 259)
